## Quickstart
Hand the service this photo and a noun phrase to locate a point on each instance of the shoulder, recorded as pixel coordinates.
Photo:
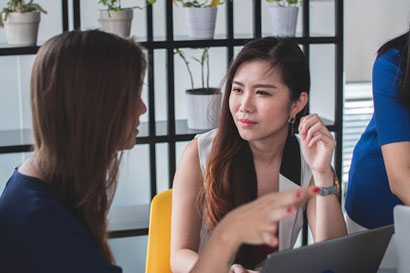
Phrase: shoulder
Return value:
(204, 147)
(206, 138)
(391, 56)
(387, 72)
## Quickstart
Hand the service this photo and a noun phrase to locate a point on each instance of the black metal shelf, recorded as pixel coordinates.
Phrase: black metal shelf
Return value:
(30, 50)
(173, 131)
(17, 141)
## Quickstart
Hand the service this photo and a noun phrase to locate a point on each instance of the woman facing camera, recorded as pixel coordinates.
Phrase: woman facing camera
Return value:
(86, 103)
(379, 177)
(253, 153)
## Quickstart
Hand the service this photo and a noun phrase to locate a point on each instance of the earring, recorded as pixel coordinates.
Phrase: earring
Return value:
(292, 121)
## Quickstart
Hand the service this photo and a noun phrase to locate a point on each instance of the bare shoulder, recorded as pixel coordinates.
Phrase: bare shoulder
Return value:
(189, 172)
(191, 149)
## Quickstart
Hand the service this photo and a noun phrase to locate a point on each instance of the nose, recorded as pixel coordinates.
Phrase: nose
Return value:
(246, 103)
(142, 108)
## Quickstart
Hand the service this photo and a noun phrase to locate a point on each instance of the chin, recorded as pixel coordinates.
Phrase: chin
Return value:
(248, 135)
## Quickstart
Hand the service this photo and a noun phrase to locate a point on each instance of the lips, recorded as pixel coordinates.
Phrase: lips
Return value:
(246, 123)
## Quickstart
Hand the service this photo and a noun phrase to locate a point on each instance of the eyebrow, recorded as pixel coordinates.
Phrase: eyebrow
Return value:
(259, 85)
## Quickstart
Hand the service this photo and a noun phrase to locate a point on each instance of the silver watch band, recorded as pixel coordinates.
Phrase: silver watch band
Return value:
(328, 190)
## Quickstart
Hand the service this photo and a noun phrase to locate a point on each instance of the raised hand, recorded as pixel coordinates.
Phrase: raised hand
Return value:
(317, 143)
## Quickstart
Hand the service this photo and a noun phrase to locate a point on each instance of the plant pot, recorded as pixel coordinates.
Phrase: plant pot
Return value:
(117, 22)
(283, 20)
(22, 28)
(203, 106)
(201, 22)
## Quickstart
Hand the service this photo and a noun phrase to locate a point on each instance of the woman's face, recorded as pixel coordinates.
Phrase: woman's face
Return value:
(259, 101)
(134, 123)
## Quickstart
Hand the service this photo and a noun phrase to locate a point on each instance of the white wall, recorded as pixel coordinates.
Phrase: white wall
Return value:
(368, 25)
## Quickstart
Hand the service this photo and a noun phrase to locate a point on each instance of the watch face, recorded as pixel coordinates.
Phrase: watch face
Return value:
(329, 190)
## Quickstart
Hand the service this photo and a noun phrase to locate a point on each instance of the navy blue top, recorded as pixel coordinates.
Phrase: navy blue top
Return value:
(369, 200)
(39, 235)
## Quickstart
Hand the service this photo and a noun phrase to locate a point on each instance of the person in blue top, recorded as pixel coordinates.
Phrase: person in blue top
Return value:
(86, 103)
(379, 177)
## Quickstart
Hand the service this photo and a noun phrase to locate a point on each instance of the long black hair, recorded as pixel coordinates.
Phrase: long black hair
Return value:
(230, 179)
(401, 43)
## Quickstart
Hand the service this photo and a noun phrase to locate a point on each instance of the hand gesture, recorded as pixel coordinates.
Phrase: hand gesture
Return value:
(317, 143)
(264, 214)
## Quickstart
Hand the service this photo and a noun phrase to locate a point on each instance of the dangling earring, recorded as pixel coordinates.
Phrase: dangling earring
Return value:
(292, 121)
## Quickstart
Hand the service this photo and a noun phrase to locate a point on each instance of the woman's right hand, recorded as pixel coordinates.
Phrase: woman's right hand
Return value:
(253, 223)
(256, 222)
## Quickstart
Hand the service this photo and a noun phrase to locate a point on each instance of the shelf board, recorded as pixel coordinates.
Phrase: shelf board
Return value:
(12, 141)
(16, 141)
(185, 42)
(6, 50)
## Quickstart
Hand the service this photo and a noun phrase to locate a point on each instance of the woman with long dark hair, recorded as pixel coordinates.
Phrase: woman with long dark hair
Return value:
(86, 103)
(379, 175)
(254, 152)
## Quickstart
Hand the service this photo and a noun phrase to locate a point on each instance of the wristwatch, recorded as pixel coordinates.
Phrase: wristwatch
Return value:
(335, 189)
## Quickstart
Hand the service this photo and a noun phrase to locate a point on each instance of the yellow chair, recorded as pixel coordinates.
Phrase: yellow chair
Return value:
(159, 234)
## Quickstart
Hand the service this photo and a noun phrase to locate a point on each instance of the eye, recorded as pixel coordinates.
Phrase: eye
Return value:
(263, 93)
(236, 90)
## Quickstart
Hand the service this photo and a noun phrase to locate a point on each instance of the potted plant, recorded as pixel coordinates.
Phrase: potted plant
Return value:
(201, 17)
(20, 21)
(202, 104)
(283, 14)
(116, 19)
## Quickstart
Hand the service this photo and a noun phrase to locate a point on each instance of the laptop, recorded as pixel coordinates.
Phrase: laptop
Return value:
(402, 235)
(359, 252)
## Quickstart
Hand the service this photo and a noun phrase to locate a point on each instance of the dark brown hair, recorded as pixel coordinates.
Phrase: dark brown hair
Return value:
(230, 179)
(85, 88)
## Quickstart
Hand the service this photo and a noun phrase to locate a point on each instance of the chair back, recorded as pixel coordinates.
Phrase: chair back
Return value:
(159, 234)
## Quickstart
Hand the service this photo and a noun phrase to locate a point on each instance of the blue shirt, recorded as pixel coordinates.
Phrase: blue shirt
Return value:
(39, 235)
(369, 200)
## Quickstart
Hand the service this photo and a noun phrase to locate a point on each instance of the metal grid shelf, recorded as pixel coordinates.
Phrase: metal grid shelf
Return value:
(173, 131)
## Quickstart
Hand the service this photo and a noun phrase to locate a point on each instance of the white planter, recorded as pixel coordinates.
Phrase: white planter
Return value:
(117, 22)
(22, 28)
(283, 20)
(202, 109)
(201, 22)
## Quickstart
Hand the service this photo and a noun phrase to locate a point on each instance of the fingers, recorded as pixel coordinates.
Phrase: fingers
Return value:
(289, 198)
(310, 125)
(237, 268)
(269, 238)
(329, 141)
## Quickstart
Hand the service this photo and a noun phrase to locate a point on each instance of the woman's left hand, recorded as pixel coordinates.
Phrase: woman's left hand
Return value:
(317, 143)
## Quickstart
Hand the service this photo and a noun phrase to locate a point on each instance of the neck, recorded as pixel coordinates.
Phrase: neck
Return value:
(29, 167)
(270, 149)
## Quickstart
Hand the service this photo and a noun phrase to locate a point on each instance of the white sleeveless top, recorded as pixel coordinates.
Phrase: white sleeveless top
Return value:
(294, 173)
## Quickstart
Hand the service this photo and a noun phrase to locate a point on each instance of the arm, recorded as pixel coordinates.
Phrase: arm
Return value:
(396, 158)
(392, 124)
(233, 230)
(324, 212)
(185, 221)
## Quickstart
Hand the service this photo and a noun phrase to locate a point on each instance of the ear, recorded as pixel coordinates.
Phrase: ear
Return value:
(299, 104)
